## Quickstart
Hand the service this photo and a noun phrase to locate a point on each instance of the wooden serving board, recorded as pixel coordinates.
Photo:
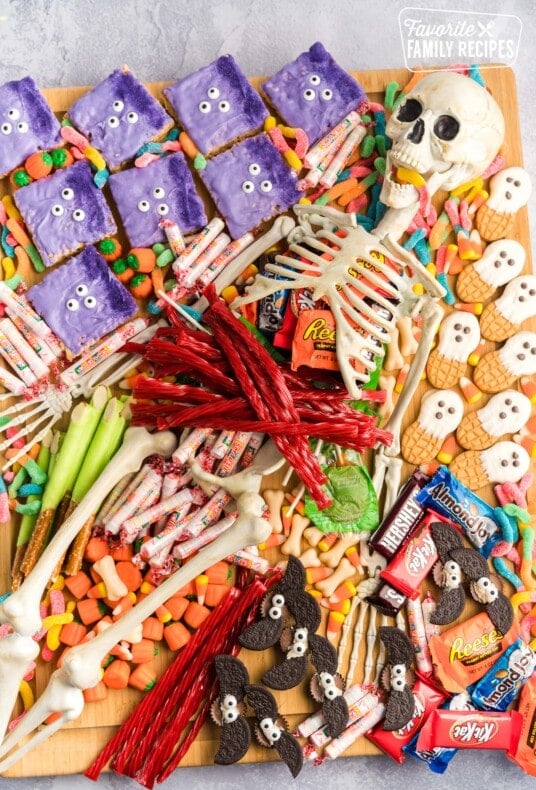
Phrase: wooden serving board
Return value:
(73, 748)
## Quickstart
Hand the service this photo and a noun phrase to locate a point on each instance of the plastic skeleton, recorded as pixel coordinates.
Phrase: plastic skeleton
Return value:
(447, 130)
(21, 608)
(82, 664)
(39, 413)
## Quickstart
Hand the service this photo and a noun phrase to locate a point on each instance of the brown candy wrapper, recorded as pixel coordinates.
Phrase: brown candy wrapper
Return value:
(464, 653)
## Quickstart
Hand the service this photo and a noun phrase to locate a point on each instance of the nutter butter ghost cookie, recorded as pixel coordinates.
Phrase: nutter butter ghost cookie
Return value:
(440, 415)
(459, 335)
(505, 413)
(501, 262)
(502, 318)
(504, 462)
(500, 369)
(510, 190)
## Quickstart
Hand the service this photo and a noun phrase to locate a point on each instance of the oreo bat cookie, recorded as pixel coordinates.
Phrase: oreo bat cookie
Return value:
(295, 642)
(287, 595)
(447, 574)
(327, 685)
(482, 588)
(228, 710)
(271, 728)
(400, 705)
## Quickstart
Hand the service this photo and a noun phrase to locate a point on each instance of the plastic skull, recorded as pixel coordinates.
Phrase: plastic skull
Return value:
(448, 126)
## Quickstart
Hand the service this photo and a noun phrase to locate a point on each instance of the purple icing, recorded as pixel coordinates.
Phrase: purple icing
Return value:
(82, 300)
(26, 123)
(144, 195)
(313, 92)
(216, 104)
(250, 183)
(118, 116)
(65, 211)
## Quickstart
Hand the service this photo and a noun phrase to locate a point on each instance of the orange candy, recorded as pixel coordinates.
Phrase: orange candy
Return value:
(176, 635)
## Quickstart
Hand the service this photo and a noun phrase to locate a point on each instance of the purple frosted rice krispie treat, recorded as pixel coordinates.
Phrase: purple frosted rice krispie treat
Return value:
(313, 92)
(64, 211)
(82, 300)
(249, 183)
(27, 124)
(216, 104)
(118, 116)
(144, 195)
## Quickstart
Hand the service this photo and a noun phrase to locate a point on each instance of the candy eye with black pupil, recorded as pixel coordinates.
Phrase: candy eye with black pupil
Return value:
(113, 122)
(309, 94)
(213, 93)
(79, 215)
(314, 79)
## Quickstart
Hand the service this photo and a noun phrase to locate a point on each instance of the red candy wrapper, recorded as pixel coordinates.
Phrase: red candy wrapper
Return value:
(525, 754)
(464, 653)
(427, 699)
(414, 561)
(470, 729)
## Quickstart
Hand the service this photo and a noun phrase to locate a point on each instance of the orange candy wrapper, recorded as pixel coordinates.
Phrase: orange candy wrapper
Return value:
(313, 344)
(464, 653)
(525, 755)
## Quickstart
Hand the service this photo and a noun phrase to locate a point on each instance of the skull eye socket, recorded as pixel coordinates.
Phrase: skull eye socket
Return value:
(446, 127)
(410, 110)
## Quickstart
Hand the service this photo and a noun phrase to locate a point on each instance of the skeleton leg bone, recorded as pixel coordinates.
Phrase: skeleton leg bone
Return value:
(82, 664)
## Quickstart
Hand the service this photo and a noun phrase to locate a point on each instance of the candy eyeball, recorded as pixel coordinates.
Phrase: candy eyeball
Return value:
(67, 193)
(132, 117)
(254, 169)
(162, 209)
(90, 302)
(118, 105)
(159, 192)
(57, 210)
(300, 634)
(6, 128)
(274, 613)
(229, 701)
(72, 305)
(213, 93)
(484, 590)
(22, 127)
(14, 114)
(309, 94)
(144, 206)
(248, 187)
(113, 121)
(79, 215)
(266, 186)
(204, 107)
(81, 290)
(224, 106)
(327, 94)
(278, 599)
(314, 79)
(451, 575)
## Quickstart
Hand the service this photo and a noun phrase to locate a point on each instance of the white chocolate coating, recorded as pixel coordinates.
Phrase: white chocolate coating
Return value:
(518, 300)
(459, 335)
(501, 262)
(510, 189)
(505, 412)
(505, 462)
(518, 355)
(441, 413)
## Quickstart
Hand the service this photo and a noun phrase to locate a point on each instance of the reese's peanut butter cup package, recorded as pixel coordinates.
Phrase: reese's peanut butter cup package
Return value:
(464, 653)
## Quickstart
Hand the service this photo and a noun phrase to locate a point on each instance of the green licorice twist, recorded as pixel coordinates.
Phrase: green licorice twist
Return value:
(104, 444)
(84, 421)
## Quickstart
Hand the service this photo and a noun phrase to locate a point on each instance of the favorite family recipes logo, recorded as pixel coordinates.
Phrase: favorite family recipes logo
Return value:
(433, 37)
